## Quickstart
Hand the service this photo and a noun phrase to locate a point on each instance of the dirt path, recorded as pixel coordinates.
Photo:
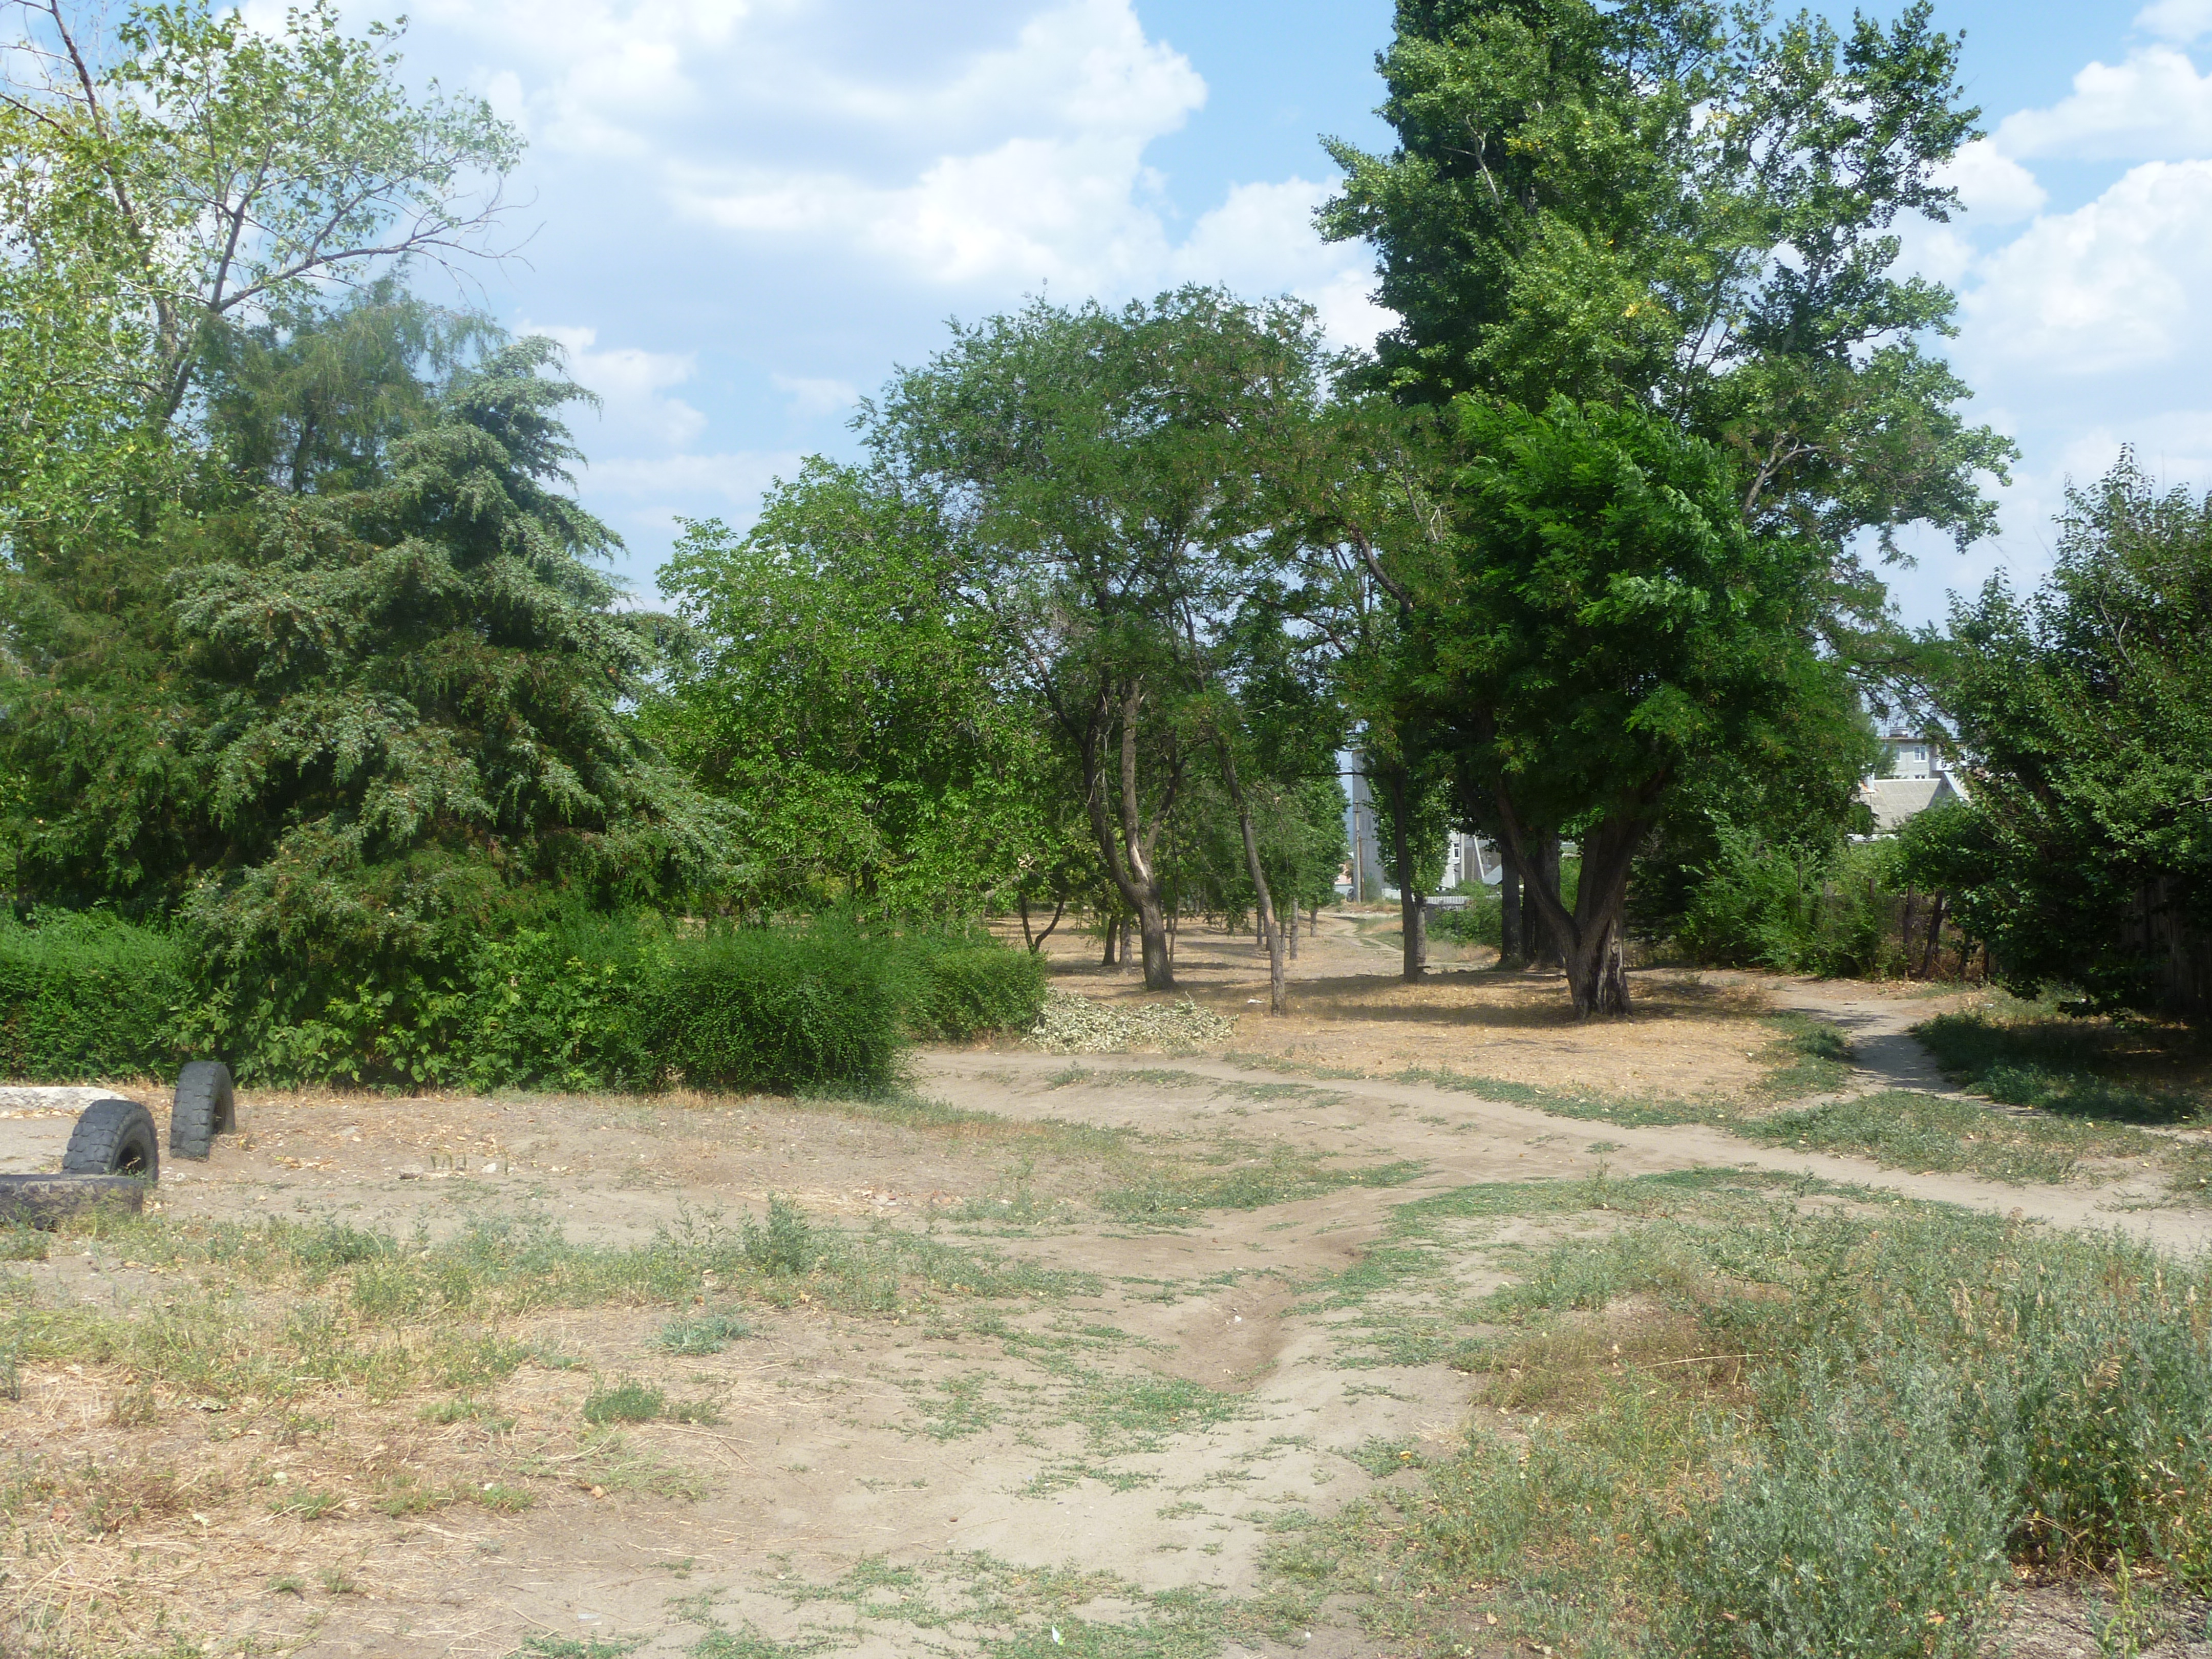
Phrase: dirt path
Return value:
(1173, 1385)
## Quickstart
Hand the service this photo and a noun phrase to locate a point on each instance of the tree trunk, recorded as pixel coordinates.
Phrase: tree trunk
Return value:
(1271, 934)
(1589, 939)
(1126, 846)
(1545, 943)
(1512, 948)
(1929, 961)
(1412, 911)
(1294, 930)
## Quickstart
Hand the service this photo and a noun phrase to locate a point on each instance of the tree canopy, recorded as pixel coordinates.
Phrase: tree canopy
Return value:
(2085, 709)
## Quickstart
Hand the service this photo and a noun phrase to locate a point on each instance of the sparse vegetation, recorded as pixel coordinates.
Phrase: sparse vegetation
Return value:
(1736, 1427)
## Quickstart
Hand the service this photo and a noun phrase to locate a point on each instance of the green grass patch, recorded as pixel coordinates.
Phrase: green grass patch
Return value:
(2103, 1070)
(1634, 1111)
(1748, 1427)
(1912, 1130)
(1808, 1056)
(390, 1314)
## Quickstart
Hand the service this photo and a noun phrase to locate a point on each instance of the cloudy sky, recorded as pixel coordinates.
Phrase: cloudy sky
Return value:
(742, 213)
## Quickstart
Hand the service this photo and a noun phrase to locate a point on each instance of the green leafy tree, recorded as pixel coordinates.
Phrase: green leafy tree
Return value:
(1612, 624)
(833, 686)
(1095, 467)
(207, 169)
(1689, 207)
(2085, 710)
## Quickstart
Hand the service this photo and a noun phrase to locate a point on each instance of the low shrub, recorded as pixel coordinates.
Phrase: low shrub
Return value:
(86, 995)
(1480, 920)
(773, 1010)
(575, 1001)
(959, 986)
(1834, 911)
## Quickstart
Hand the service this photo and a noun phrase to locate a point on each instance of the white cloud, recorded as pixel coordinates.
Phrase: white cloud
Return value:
(2124, 282)
(735, 479)
(630, 383)
(2152, 106)
(1992, 186)
(2180, 20)
(811, 397)
(1053, 189)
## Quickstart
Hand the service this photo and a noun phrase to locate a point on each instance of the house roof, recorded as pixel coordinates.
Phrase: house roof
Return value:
(1896, 799)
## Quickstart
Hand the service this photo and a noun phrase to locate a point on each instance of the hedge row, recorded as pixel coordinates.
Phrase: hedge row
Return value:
(579, 1003)
(88, 996)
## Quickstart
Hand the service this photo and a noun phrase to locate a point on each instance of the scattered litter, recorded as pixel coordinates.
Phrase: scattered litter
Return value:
(1073, 1025)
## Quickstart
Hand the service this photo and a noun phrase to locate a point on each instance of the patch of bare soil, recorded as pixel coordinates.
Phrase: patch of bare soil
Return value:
(1350, 1011)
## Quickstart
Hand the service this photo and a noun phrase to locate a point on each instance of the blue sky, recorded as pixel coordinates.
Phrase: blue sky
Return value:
(744, 212)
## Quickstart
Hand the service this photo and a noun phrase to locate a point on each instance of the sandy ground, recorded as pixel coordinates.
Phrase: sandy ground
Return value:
(980, 1474)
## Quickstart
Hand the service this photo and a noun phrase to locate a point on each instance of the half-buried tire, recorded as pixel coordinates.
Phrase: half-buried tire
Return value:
(204, 1108)
(114, 1137)
(47, 1200)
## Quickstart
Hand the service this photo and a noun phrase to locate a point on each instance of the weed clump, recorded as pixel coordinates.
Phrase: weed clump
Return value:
(1760, 1431)
(696, 1335)
(626, 1401)
(783, 1244)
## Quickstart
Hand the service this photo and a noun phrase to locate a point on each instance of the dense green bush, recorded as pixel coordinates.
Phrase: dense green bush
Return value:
(86, 996)
(772, 1009)
(1480, 920)
(577, 1001)
(1829, 910)
(957, 987)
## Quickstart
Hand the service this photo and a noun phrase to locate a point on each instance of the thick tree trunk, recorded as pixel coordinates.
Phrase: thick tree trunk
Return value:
(1512, 950)
(1412, 911)
(1590, 938)
(1545, 948)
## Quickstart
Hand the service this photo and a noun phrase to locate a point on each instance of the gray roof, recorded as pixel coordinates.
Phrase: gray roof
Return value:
(1895, 800)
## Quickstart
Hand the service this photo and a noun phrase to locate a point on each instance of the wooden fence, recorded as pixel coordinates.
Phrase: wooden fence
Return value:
(2181, 955)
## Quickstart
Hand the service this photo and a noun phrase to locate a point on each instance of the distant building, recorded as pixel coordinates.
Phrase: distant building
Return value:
(1914, 753)
(1919, 777)
(1895, 800)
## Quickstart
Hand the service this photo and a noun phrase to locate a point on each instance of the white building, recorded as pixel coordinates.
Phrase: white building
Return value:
(1914, 753)
(1919, 777)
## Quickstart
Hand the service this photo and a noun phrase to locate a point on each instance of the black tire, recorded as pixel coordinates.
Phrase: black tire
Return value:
(46, 1201)
(204, 1108)
(114, 1137)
